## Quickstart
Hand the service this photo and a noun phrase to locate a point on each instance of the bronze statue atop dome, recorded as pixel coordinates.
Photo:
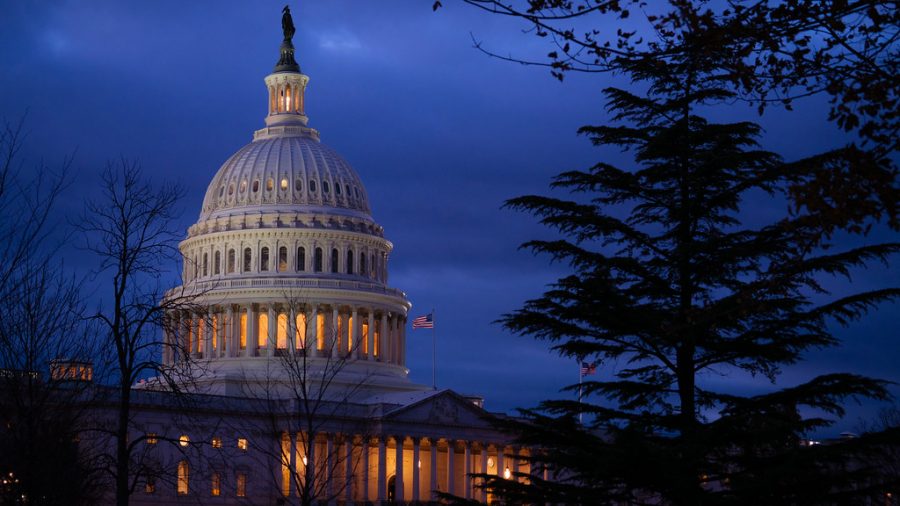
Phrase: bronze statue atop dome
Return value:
(287, 23)
(287, 63)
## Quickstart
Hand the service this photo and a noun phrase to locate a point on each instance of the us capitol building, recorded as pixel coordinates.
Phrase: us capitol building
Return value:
(293, 344)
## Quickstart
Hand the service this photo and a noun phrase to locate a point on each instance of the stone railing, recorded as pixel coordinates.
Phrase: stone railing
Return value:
(202, 287)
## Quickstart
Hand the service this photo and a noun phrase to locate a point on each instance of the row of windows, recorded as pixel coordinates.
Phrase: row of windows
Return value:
(151, 438)
(361, 264)
(183, 482)
(298, 187)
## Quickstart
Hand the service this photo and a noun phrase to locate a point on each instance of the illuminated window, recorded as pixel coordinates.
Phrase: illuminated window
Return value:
(318, 260)
(151, 438)
(216, 483)
(231, 261)
(282, 259)
(264, 259)
(284, 185)
(263, 325)
(255, 186)
(270, 185)
(312, 186)
(216, 442)
(334, 260)
(184, 440)
(217, 262)
(248, 256)
(301, 259)
(349, 261)
(242, 444)
(150, 485)
(243, 186)
(241, 484)
(183, 478)
(243, 329)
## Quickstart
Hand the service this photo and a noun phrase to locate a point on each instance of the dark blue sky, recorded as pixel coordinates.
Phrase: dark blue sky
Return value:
(440, 134)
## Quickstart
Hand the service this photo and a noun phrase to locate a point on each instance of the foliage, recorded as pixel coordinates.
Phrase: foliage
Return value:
(676, 280)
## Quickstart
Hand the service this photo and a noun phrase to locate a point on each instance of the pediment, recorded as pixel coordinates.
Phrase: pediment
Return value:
(444, 408)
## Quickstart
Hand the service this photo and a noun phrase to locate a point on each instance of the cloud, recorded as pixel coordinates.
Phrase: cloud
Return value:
(339, 40)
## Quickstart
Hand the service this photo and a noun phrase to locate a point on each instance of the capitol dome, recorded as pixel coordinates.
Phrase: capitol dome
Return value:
(286, 261)
(285, 173)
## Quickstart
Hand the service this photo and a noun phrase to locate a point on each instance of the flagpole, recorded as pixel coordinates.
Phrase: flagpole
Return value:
(580, 377)
(433, 354)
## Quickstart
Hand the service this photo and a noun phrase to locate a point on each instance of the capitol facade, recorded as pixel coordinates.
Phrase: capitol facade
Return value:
(291, 351)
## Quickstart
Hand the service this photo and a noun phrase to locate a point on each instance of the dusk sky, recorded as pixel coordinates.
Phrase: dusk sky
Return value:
(439, 133)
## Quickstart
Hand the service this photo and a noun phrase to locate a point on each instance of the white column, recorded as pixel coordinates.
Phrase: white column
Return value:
(329, 465)
(398, 476)
(364, 464)
(467, 454)
(252, 332)
(500, 462)
(382, 463)
(451, 483)
(433, 484)
(415, 470)
(371, 334)
(354, 331)
(292, 463)
(208, 335)
(482, 494)
(309, 470)
(381, 331)
(291, 328)
(348, 469)
(167, 339)
(312, 338)
(272, 340)
(333, 337)
(232, 346)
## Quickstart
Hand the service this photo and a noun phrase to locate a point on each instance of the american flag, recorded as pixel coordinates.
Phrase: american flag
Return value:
(424, 322)
(588, 369)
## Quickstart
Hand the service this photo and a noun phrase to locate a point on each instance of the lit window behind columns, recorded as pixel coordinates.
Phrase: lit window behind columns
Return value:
(263, 321)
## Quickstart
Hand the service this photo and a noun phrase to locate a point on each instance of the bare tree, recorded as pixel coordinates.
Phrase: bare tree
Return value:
(130, 228)
(45, 346)
(308, 395)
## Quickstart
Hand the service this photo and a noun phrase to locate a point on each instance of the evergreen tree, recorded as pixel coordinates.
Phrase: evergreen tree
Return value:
(676, 279)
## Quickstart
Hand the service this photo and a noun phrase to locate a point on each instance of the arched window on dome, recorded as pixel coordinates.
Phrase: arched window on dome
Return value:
(301, 258)
(318, 260)
(337, 188)
(287, 98)
(230, 264)
(325, 188)
(270, 185)
(298, 185)
(362, 264)
(221, 191)
(349, 261)
(284, 184)
(217, 263)
(231, 189)
(264, 259)
(243, 186)
(184, 476)
(348, 190)
(312, 186)
(282, 259)
(334, 260)
(248, 259)
(255, 186)
(205, 264)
